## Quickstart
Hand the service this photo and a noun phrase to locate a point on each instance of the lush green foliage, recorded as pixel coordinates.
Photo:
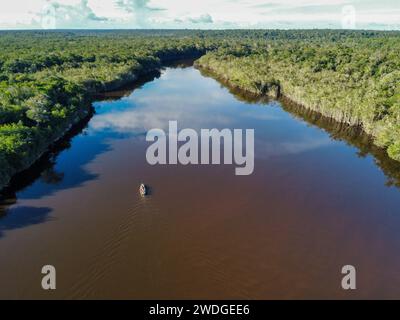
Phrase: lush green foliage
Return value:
(47, 78)
(355, 80)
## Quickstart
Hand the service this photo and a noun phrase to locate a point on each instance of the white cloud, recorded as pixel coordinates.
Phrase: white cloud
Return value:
(199, 14)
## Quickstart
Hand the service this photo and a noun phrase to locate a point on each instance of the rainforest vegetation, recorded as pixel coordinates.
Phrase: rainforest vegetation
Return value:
(47, 79)
(354, 80)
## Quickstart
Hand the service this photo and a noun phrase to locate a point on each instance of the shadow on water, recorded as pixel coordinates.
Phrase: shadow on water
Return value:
(353, 136)
(239, 94)
(126, 90)
(48, 174)
(20, 217)
(45, 172)
(179, 64)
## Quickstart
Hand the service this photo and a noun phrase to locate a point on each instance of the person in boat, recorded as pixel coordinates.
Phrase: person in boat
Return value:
(143, 189)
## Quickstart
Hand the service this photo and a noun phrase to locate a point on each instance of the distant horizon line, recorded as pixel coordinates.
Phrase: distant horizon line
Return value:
(190, 29)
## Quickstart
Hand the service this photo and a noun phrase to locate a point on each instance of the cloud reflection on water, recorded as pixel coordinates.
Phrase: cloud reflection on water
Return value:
(201, 103)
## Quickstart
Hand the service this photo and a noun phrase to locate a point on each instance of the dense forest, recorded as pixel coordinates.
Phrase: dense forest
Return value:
(354, 80)
(47, 79)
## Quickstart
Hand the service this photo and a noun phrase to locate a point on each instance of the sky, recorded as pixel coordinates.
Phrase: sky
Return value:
(200, 14)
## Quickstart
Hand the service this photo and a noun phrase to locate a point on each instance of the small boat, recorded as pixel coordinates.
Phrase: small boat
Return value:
(143, 189)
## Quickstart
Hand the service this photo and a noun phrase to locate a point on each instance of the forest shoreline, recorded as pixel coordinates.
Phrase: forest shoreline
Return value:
(348, 76)
(276, 91)
(86, 112)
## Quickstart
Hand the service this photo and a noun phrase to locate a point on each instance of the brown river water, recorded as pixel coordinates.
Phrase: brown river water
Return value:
(318, 200)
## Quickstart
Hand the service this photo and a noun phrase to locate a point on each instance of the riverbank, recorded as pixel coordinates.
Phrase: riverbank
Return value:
(365, 98)
(47, 80)
(7, 173)
(85, 112)
(353, 135)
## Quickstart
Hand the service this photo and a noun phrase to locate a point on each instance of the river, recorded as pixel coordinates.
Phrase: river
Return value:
(314, 203)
